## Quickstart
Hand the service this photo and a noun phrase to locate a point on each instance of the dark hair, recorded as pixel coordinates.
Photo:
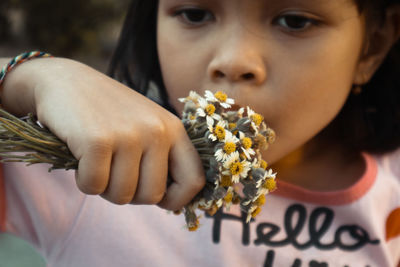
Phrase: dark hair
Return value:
(135, 60)
(368, 122)
(371, 121)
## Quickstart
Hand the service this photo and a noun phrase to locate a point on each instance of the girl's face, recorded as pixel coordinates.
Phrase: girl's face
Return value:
(293, 61)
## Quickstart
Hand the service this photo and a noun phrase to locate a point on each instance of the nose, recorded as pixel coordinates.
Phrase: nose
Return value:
(238, 59)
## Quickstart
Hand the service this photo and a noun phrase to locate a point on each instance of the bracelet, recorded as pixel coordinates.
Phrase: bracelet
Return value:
(18, 60)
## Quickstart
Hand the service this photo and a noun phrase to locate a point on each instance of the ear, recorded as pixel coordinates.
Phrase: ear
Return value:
(379, 41)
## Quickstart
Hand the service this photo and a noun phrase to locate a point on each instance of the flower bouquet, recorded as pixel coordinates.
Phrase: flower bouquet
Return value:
(229, 143)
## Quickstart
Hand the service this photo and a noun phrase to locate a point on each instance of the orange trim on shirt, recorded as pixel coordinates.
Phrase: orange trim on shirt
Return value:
(340, 197)
(393, 224)
(2, 201)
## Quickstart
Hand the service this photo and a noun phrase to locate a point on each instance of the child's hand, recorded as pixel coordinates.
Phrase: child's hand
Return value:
(125, 143)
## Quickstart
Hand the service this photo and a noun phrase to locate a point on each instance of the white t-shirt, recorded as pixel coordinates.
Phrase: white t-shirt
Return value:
(356, 227)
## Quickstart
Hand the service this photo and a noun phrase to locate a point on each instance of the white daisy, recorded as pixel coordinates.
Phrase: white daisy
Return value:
(219, 97)
(240, 112)
(193, 97)
(233, 166)
(218, 132)
(228, 148)
(246, 145)
(256, 119)
(228, 198)
(207, 110)
(250, 213)
(268, 174)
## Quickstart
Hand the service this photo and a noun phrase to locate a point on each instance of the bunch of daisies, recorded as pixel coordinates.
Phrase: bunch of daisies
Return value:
(229, 144)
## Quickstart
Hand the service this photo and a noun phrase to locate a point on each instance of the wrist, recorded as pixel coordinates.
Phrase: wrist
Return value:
(17, 89)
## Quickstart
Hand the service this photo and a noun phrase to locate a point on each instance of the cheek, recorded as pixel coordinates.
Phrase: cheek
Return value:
(307, 99)
(183, 67)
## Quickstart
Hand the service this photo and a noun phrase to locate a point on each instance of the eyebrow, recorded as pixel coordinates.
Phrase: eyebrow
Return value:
(310, 2)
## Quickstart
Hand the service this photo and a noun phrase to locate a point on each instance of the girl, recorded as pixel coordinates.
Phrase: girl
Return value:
(323, 74)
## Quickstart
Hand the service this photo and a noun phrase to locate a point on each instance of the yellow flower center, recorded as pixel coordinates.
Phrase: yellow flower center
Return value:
(236, 168)
(256, 212)
(247, 143)
(229, 147)
(271, 136)
(211, 211)
(219, 131)
(228, 197)
(221, 96)
(263, 164)
(210, 109)
(257, 118)
(270, 184)
(226, 181)
(231, 125)
(236, 200)
(260, 200)
(192, 117)
(194, 226)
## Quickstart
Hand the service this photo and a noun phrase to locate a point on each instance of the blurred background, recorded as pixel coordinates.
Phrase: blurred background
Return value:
(83, 30)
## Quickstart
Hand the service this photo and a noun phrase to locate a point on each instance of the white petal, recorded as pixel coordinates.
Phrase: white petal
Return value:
(245, 203)
(216, 116)
(200, 112)
(221, 123)
(210, 121)
(219, 155)
(250, 112)
(230, 159)
(212, 137)
(209, 96)
(203, 103)
(228, 136)
(230, 101)
(225, 105)
(248, 218)
(255, 128)
(194, 95)
(235, 178)
(246, 153)
(226, 172)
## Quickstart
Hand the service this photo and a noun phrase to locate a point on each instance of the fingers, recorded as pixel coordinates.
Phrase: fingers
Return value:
(152, 177)
(94, 168)
(122, 184)
(136, 172)
(187, 174)
(134, 177)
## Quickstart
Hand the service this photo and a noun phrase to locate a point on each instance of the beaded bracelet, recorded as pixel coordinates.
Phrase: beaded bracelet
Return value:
(18, 60)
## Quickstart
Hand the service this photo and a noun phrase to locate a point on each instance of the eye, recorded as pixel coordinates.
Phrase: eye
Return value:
(296, 22)
(194, 16)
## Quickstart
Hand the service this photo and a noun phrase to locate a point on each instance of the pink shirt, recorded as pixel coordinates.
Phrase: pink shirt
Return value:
(359, 226)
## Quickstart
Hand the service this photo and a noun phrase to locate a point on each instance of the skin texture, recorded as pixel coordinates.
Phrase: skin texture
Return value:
(296, 74)
(127, 145)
